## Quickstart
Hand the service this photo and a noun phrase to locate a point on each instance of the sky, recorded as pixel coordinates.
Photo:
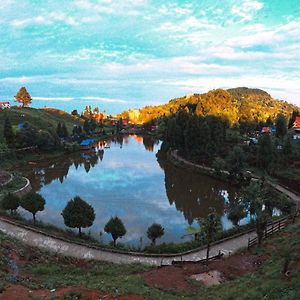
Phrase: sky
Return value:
(119, 54)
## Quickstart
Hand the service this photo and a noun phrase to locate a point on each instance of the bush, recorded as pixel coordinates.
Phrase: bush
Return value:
(116, 228)
(78, 214)
(10, 202)
(33, 203)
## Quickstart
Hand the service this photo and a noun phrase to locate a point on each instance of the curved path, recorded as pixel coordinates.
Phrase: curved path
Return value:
(36, 238)
(67, 248)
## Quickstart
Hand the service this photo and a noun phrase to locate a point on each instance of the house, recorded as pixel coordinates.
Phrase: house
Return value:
(4, 105)
(87, 144)
(125, 122)
(266, 130)
(296, 128)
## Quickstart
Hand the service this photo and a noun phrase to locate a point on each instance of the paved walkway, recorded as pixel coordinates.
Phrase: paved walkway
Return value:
(79, 251)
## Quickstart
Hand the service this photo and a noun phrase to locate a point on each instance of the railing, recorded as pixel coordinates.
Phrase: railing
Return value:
(204, 260)
(274, 227)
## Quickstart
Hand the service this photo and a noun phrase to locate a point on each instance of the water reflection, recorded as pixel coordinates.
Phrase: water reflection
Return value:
(122, 177)
(194, 194)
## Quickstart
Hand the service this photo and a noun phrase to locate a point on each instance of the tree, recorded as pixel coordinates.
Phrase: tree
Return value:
(236, 161)
(254, 197)
(64, 131)
(155, 231)
(78, 214)
(210, 226)
(281, 126)
(59, 129)
(236, 212)
(265, 152)
(23, 97)
(116, 228)
(8, 133)
(75, 113)
(86, 126)
(33, 203)
(10, 202)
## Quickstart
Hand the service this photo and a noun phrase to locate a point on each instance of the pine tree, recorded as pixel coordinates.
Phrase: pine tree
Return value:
(281, 126)
(59, 129)
(23, 97)
(9, 133)
(64, 131)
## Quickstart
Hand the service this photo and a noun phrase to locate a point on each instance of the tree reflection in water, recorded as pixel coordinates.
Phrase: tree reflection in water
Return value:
(193, 194)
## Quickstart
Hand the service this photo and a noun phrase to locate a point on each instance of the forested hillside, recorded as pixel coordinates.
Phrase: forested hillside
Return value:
(45, 119)
(238, 104)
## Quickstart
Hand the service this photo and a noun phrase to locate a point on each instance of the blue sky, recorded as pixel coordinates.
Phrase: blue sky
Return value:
(130, 53)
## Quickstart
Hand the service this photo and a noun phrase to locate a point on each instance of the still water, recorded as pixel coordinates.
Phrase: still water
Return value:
(128, 181)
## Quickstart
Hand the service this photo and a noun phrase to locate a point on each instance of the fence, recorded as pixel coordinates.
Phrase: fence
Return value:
(274, 227)
(204, 260)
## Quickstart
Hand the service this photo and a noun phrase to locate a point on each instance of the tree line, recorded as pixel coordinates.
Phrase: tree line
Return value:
(76, 214)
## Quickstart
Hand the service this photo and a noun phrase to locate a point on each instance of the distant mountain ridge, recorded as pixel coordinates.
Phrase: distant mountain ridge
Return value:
(236, 104)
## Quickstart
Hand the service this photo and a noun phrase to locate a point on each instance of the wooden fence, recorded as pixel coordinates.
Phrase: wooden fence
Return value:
(204, 260)
(274, 227)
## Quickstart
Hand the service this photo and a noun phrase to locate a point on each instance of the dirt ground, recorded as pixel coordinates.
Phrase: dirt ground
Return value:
(178, 277)
(19, 292)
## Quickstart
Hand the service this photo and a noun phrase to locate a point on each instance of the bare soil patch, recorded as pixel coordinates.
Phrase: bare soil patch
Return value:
(19, 292)
(179, 277)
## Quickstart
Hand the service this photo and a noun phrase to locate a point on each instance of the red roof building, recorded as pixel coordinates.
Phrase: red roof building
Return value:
(266, 130)
(296, 125)
(4, 105)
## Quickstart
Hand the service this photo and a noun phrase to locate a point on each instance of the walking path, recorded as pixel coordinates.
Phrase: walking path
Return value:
(67, 248)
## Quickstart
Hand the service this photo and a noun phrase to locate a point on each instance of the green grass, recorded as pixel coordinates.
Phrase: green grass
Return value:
(51, 271)
(16, 184)
(41, 118)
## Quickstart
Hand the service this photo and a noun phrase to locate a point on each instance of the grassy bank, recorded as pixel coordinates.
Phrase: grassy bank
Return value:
(41, 270)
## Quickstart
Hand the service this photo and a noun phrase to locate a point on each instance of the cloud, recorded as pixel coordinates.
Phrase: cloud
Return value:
(100, 99)
(65, 99)
(246, 9)
(84, 98)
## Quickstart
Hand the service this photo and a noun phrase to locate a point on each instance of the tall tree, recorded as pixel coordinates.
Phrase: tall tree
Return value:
(236, 161)
(281, 126)
(86, 126)
(116, 228)
(59, 130)
(78, 214)
(265, 152)
(8, 133)
(64, 131)
(33, 203)
(23, 97)
(210, 226)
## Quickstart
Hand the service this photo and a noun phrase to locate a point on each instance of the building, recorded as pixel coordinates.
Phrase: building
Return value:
(87, 144)
(266, 130)
(296, 128)
(4, 105)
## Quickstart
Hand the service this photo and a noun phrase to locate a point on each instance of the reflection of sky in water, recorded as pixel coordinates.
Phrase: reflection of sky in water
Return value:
(128, 182)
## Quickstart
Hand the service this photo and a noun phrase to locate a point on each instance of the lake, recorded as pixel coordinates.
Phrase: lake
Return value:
(128, 181)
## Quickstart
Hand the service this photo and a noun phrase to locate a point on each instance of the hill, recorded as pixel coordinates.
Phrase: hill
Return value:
(41, 118)
(238, 104)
